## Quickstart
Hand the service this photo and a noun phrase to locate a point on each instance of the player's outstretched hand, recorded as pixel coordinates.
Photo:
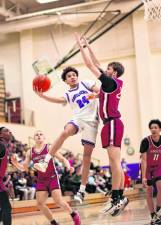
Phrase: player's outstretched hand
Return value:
(80, 41)
(39, 93)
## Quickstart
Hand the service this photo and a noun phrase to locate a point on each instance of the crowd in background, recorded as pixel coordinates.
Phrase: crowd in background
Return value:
(21, 185)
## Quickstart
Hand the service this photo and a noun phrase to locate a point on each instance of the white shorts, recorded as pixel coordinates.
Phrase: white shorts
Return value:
(89, 130)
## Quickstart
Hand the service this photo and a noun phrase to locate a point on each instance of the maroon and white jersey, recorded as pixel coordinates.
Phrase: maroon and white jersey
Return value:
(153, 154)
(3, 168)
(37, 157)
(109, 102)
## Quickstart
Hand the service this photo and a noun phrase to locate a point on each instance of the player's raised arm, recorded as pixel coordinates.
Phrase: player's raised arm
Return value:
(21, 166)
(58, 100)
(87, 60)
(91, 53)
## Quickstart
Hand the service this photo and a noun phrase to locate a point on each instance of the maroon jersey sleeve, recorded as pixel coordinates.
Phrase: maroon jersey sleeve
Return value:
(144, 145)
(108, 84)
(2, 150)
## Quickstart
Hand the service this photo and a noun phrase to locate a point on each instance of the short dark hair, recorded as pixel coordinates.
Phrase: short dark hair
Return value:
(155, 121)
(67, 70)
(118, 67)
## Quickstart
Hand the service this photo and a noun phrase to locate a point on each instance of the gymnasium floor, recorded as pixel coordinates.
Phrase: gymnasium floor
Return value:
(135, 214)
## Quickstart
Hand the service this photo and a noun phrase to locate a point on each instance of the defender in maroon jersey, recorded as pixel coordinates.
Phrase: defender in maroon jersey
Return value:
(48, 181)
(5, 206)
(150, 149)
(112, 131)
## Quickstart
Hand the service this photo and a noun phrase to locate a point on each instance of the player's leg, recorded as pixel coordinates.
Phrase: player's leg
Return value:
(89, 134)
(158, 209)
(111, 135)
(118, 135)
(69, 130)
(124, 199)
(5, 208)
(88, 149)
(59, 201)
(41, 197)
(114, 154)
(150, 201)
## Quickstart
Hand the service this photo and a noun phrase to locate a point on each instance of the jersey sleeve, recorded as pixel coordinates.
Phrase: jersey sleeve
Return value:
(2, 150)
(66, 96)
(89, 84)
(108, 84)
(144, 145)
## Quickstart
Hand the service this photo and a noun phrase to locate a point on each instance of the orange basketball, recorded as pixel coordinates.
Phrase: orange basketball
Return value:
(41, 83)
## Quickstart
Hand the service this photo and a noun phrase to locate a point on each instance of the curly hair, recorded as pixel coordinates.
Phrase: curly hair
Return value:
(67, 70)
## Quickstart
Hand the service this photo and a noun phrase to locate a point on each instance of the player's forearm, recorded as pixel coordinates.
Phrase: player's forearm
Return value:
(59, 156)
(89, 63)
(85, 57)
(20, 166)
(63, 160)
(93, 57)
(66, 163)
(53, 99)
(143, 168)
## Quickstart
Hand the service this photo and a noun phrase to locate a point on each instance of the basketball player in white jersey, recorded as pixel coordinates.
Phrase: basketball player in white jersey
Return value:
(85, 119)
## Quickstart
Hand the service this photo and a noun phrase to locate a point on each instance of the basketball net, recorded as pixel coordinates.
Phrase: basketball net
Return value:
(42, 66)
(152, 9)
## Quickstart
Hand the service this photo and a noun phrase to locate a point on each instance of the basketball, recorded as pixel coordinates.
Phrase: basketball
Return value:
(41, 83)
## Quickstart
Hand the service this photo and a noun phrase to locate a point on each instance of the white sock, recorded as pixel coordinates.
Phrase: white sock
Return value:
(82, 188)
(47, 158)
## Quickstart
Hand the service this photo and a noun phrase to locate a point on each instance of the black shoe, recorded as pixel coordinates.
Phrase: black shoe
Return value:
(117, 209)
(125, 202)
(112, 207)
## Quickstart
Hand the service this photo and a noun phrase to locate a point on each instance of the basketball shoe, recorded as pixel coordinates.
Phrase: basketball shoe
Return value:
(152, 222)
(53, 222)
(158, 218)
(124, 203)
(112, 207)
(76, 218)
(79, 197)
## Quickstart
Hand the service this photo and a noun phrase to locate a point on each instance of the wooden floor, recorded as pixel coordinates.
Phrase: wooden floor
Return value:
(136, 213)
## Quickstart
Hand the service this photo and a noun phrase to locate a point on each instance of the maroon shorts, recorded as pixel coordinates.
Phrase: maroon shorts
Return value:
(112, 133)
(153, 175)
(48, 183)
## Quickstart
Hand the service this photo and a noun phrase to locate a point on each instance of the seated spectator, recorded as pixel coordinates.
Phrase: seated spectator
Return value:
(18, 193)
(28, 192)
